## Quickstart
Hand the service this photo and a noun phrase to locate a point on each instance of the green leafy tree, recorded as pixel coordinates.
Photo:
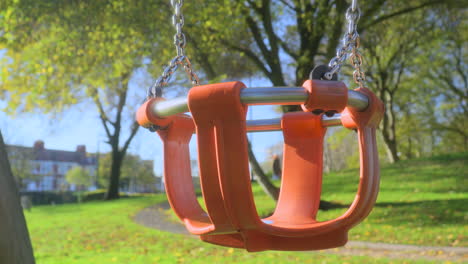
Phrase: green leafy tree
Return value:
(419, 76)
(136, 173)
(390, 60)
(444, 71)
(61, 53)
(80, 177)
(285, 50)
(20, 161)
(93, 48)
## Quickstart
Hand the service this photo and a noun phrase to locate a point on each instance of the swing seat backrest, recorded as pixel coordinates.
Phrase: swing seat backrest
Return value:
(294, 218)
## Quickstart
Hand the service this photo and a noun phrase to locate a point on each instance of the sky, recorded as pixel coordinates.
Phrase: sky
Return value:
(80, 125)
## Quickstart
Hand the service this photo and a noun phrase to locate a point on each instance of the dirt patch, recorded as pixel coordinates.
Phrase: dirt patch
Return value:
(155, 217)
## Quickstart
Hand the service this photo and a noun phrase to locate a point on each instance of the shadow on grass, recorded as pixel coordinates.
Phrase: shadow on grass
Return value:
(422, 213)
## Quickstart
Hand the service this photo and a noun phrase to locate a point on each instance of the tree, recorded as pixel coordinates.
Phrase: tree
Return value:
(61, 53)
(20, 161)
(419, 76)
(79, 177)
(136, 173)
(390, 60)
(445, 72)
(277, 46)
(282, 40)
(15, 244)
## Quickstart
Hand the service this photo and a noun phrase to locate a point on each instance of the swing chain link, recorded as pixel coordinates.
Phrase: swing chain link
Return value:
(178, 22)
(350, 48)
(180, 59)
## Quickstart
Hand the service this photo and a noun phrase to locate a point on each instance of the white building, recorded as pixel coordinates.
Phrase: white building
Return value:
(48, 167)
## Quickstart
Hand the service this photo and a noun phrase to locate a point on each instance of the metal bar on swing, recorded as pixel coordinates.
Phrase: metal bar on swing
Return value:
(260, 96)
(265, 96)
(274, 124)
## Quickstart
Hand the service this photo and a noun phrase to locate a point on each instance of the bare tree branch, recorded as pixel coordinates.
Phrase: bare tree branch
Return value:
(270, 55)
(337, 29)
(250, 54)
(133, 132)
(102, 114)
(257, 35)
(287, 49)
(289, 5)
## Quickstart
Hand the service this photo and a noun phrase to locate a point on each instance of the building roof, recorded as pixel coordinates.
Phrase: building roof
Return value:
(39, 153)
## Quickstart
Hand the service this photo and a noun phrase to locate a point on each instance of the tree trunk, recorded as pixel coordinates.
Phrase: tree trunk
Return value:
(277, 167)
(262, 179)
(409, 154)
(118, 153)
(391, 147)
(274, 191)
(114, 181)
(388, 128)
(15, 244)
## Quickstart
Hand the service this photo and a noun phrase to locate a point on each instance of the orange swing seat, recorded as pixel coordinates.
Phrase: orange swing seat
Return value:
(219, 120)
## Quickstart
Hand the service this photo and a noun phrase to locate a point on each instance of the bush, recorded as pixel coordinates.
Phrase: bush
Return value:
(50, 197)
(98, 195)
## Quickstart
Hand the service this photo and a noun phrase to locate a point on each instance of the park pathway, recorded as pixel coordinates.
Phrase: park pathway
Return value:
(155, 217)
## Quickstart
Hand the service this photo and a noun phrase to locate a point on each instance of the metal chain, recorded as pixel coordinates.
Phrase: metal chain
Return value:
(180, 59)
(350, 47)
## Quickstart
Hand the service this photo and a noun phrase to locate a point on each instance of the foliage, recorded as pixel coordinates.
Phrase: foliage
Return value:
(60, 53)
(50, 197)
(135, 171)
(79, 176)
(444, 74)
(405, 72)
(97, 195)
(20, 162)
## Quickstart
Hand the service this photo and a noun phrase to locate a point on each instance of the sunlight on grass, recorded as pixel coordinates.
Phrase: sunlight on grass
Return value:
(422, 202)
(104, 232)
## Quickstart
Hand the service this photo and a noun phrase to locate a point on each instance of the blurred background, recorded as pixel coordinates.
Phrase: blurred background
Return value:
(73, 74)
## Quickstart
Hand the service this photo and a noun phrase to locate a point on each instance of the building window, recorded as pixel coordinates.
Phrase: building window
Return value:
(47, 183)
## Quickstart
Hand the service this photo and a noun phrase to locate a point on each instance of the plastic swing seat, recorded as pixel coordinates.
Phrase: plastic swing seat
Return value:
(231, 218)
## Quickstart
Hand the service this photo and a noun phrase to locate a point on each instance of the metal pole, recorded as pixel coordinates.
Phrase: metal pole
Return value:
(260, 96)
(265, 125)
(274, 124)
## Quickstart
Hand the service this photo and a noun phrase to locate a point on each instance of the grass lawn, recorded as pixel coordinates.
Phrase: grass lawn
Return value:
(422, 202)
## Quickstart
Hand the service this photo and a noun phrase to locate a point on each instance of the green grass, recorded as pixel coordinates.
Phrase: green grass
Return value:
(103, 232)
(422, 202)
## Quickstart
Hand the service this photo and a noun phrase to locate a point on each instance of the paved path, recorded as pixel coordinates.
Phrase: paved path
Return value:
(155, 217)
